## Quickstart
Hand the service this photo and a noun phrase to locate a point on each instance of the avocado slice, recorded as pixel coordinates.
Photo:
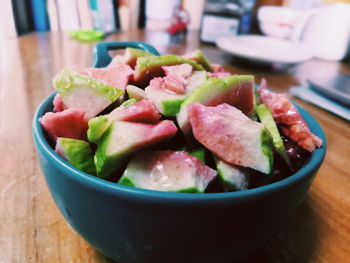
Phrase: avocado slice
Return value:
(233, 177)
(265, 117)
(100, 124)
(77, 152)
(124, 138)
(166, 103)
(199, 57)
(132, 54)
(135, 92)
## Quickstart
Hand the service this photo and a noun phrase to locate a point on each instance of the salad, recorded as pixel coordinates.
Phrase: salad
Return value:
(175, 123)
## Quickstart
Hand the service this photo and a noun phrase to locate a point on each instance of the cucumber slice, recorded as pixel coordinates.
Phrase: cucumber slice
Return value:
(265, 117)
(77, 152)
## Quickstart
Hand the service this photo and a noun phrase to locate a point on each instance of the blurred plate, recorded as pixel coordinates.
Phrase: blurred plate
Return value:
(264, 49)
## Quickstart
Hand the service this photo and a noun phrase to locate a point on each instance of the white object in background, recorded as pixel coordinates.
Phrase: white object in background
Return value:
(195, 9)
(85, 16)
(106, 15)
(134, 14)
(7, 21)
(159, 13)
(277, 21)
(68, 15)
(264, 49)
(215, 27)
(304, 4)
(325, 31)
(124, 15)
(160, 10)
(53, 14)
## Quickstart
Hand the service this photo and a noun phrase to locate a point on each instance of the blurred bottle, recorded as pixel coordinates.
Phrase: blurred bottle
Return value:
(246, 22)
(220, 18)
(159, 13)
(179, 21)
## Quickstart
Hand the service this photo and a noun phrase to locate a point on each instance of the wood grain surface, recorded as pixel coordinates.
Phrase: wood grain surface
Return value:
(33, 230)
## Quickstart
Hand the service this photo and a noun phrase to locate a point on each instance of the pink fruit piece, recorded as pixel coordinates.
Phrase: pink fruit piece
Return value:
(135, 92)
(237, 91)
(167, 171)
(58, 103)
(70, 123)
(232, 136)
(182, 70)
(117, 75)
(130, 57)
(141, 111)
(174, 83)
(83, 92)
(165, 96)
(288, 118)
(116, 61)
(218, 68)
(219, 71)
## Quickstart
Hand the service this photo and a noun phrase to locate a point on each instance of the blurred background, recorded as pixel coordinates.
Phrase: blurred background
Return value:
(21, 17)
(294, 20)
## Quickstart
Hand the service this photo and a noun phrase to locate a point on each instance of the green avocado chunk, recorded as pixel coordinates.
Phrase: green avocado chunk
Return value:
(100, 124)
(124, 138)
(78, 153)
(169, 103)
(266, 118)
(166, 103)
(132, 54)
(233, 177)
(135, 92)
(199, 57)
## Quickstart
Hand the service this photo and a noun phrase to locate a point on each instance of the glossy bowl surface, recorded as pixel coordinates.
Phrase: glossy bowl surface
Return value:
(137, 225)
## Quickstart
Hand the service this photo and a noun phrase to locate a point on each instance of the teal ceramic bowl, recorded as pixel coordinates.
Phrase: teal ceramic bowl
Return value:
(132, 225)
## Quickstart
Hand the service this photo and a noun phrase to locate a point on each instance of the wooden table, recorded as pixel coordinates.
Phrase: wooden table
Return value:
(33, 230)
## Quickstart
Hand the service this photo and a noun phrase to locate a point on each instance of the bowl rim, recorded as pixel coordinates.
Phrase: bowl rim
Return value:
(112, 188)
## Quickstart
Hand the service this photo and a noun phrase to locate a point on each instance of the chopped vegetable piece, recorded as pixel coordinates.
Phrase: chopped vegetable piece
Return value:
(70, 123)
(266, 118)
(124, 138)
(78, 153)
(233, 177)
(88, 94)
(235, 90)
(167, 171)
(232, 136)
(287, 116)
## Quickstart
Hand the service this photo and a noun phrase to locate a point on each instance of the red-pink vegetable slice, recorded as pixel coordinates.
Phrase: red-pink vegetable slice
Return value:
(58, 103)
(141, 111)
(124, 138)
(117, 75)
(232, 136)
(70, 123)
(289, 119)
